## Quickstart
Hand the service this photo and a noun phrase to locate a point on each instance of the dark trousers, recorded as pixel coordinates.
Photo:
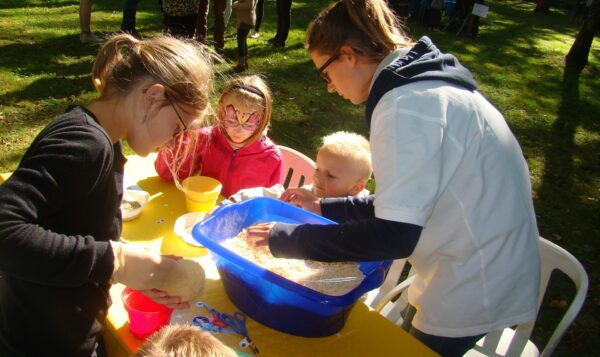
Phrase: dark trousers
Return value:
(260, 14)
(181, 26)
(201, 22)
(445, 346)
(129, 11)
(219, 31)
(284, 18)
(242, 36)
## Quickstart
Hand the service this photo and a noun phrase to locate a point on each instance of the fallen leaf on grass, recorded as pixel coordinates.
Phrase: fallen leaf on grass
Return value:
(558, 304)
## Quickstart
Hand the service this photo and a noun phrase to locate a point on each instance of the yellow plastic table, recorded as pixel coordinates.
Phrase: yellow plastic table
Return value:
(366, 332)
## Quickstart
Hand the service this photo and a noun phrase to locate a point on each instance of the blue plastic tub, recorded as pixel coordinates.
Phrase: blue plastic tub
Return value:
(269, 298)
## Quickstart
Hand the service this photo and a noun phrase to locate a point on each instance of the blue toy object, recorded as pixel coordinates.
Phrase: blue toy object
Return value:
(237, 322)
(267, 297)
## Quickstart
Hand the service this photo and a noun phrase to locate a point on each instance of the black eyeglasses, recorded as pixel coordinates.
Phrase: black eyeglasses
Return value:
(178, 130)
(321, 71)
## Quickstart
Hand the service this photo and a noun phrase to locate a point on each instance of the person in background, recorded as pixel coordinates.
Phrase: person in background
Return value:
(219, 25)
(343, 168)
(260, 15)
(180, 17)
(284, 19)
(228, 11)
(85, 17)
(236, 150)
(245, 11)
(201, 21)
(129, 15)
(453, 191)
(183, 341)
(60, 221)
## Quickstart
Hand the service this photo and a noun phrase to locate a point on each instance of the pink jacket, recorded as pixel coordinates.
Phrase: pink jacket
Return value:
(258, 164)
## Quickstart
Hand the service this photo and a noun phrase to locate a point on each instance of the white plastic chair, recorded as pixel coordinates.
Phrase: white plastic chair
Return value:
(391, 280)
(298, 168)
(515, 342)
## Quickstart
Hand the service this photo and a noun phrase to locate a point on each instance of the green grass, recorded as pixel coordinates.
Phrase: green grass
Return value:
(517, 61)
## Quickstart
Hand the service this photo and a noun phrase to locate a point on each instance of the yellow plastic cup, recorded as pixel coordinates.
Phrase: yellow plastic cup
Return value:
(201, 193)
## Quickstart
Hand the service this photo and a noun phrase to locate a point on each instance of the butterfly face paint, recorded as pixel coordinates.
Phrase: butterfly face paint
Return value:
(234, 120)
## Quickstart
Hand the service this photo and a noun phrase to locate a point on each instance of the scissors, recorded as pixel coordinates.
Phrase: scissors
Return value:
(216, 320)
(237, 322)
(204, 323)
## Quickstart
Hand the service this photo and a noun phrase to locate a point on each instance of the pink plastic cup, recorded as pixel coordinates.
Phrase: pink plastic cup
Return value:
(145, 316)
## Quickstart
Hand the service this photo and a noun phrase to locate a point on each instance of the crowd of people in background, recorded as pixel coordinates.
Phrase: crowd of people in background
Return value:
(189, 19)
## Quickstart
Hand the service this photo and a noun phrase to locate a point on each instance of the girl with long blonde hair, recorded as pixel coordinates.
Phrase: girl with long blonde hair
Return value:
(60, 221)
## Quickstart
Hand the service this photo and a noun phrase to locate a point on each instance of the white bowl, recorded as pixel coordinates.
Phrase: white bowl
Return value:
(132, 203)
(184, 224)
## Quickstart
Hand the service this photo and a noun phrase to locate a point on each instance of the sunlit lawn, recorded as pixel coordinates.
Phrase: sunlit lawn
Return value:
(517, 60)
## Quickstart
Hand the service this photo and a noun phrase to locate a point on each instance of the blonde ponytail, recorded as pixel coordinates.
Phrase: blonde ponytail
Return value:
(183, 68)
(115, 51)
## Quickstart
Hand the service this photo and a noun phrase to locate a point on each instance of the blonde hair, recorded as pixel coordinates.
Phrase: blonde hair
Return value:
(254, 92)
(183, 68)
(183, 341)
(350, 146)
(368, 26)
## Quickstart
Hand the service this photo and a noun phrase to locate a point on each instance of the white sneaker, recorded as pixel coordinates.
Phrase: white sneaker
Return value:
(255, 34)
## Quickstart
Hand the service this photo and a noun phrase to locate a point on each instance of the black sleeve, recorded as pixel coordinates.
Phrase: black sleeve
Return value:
(348, 208)
(364, 240)
(61, 165)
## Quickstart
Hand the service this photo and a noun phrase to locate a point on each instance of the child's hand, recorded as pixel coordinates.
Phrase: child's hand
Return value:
(163, 298)
(257, 236)
(139, 268)
(302, 198)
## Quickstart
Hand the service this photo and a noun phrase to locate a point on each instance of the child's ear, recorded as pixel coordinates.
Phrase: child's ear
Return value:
(153, 93)
(359, 186)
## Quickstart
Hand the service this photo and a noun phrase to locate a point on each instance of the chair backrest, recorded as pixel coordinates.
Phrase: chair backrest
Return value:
(553, 258)
(392, 279)
(298, 168)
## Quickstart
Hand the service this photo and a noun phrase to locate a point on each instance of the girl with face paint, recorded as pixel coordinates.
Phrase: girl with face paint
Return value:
(236, 150)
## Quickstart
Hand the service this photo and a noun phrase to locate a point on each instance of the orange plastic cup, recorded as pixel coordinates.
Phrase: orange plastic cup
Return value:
(145, 316)
(201, 193)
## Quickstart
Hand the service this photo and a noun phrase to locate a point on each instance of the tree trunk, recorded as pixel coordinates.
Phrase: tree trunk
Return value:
(577, 58)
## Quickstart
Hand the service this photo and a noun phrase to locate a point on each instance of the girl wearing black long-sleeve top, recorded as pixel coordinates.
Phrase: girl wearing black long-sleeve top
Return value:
(60, 221)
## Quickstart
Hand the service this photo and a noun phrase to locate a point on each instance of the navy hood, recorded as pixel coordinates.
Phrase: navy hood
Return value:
(423, 62)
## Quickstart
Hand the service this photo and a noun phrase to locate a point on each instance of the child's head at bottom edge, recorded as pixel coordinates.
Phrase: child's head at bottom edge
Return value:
(183, 341)
(343, 165)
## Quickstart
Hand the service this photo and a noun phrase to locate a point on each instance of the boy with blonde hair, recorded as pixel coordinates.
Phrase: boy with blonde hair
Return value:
(183, 341)
(343, 167)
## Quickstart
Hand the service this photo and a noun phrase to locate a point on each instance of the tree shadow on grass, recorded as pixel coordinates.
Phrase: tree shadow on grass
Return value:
(59, 74)
(44, 88)
(568, 167)
(18, 4)
(63, 55)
